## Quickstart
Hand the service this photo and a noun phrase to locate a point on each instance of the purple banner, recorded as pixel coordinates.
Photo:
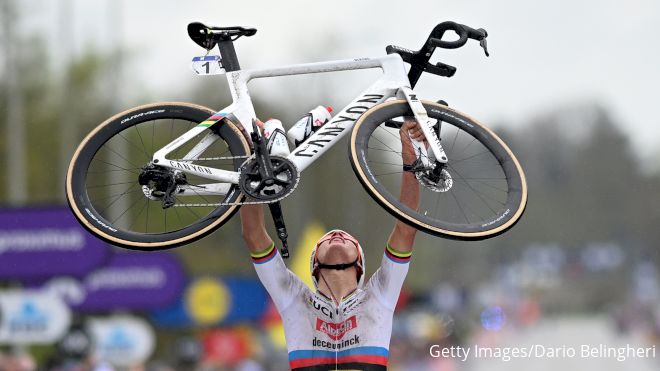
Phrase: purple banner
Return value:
(41, 243)
(130, 281)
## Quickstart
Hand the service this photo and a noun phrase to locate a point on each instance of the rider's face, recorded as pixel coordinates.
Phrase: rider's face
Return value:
(337, 247)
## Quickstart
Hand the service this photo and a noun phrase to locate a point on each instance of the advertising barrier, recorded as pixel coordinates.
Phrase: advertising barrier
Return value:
(28, 317)
(40, 243)
(211, 301)
(123, 341)
(130, 281)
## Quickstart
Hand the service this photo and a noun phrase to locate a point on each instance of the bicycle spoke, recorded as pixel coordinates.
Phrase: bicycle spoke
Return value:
(114, 195)
(122, 214)
(178, 216)
(108, 171)
(109, 185)
(451, 191)
(152, 135)
(140, 135)
(136, 147)
(466, 147)
(395, 172)
(124, 158)
(473, 156)
(116, 199)
(384, 150)
(385, 163)
(488, 185)
(476, 193)
(146, 223)
(117, 166)
(453, 143)
(139, 213)
(399, 139)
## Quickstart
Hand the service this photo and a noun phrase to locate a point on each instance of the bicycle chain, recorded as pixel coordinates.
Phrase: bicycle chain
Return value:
(233, 203)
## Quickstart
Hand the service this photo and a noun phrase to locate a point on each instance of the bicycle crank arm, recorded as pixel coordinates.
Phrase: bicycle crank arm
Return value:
(262, 155)
(427, 128)
(278, 219)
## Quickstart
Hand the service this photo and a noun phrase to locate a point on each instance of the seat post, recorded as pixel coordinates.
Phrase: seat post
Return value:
(228, 53)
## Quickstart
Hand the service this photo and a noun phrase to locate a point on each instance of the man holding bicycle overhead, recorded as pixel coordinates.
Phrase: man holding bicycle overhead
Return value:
(345, 324)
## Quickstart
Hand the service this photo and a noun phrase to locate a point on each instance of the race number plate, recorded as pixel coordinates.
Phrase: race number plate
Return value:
(207, 65)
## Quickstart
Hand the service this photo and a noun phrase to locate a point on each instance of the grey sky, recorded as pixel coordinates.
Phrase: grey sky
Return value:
(543, 54)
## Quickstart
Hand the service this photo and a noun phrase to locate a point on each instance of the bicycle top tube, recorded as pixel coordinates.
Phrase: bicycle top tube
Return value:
(391, 65)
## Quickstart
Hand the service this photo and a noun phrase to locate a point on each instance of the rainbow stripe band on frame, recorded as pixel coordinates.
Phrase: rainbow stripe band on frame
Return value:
(212, 120)
(264, 256)
(396, 255)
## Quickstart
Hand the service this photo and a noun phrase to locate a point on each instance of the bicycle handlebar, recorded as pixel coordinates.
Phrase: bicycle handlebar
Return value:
(464, 33)
(419, 60)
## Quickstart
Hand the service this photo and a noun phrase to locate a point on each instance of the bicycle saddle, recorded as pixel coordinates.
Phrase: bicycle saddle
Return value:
(208, 36)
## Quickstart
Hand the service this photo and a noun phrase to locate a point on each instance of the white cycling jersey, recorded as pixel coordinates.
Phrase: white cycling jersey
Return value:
(322, 336)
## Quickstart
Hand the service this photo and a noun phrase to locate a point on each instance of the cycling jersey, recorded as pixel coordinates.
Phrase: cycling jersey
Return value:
(355, 335)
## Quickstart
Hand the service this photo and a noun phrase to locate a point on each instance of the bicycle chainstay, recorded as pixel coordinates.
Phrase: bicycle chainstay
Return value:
(247, 158)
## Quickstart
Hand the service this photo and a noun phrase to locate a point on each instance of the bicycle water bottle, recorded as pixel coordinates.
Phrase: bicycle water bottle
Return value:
(274, 133)
(308, 124)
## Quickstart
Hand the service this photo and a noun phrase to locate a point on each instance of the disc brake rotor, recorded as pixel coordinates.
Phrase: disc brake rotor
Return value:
(436, 183)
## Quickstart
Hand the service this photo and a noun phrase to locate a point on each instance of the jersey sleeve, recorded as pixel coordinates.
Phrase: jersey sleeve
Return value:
(282, 284)
(387, 281)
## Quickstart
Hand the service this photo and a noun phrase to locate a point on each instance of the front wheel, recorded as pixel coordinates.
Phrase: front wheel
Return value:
(117, 192)
(480, 193)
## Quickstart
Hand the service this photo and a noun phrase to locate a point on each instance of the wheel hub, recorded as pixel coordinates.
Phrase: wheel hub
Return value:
(435, 180)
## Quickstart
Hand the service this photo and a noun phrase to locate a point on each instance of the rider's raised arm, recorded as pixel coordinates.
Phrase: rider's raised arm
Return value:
(386, 283)
(254, 228)
(253, 225)
(403, 235)
(282, 285)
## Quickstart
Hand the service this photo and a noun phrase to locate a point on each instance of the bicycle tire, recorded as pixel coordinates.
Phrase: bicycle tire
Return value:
(452, 225)
(79, 174)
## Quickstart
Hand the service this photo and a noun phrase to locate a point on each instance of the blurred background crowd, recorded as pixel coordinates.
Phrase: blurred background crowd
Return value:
(572, 96)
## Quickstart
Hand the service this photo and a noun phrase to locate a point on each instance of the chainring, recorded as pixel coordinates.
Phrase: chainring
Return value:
(286, 179)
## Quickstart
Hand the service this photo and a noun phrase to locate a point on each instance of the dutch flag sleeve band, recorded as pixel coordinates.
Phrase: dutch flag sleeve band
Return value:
(396, 255)
(265, 255)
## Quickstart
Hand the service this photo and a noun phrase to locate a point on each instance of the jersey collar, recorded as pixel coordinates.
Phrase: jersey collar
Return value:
(350, 294)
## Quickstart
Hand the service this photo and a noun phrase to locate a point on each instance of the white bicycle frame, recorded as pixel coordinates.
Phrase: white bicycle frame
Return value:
(393, 82)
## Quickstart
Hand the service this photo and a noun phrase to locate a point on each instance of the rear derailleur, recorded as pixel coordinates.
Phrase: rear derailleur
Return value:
(161, 184)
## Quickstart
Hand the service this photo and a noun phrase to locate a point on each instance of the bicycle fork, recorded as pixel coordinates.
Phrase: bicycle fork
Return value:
(427, 128)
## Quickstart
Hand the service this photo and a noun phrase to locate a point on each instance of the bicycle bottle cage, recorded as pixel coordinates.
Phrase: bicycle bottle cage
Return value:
(208, 36)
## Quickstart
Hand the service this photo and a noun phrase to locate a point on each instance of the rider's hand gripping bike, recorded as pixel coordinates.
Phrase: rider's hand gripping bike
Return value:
(165, 174)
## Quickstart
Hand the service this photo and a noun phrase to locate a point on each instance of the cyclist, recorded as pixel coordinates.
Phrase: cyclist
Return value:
(345, 324)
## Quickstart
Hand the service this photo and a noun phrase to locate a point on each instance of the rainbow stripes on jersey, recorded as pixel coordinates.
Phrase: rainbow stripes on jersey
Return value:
(264, 256)
(367, 358)
(397, 256)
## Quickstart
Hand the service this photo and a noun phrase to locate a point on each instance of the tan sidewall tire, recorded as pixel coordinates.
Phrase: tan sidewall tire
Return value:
(141, 245)
(359, 171)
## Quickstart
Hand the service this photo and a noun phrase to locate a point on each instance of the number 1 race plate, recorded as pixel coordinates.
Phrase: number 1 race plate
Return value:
(207, 65)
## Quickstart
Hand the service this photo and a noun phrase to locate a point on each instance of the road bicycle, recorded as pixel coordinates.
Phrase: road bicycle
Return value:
(165, 174)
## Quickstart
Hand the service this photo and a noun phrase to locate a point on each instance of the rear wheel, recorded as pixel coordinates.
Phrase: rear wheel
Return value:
(117, 197)
(481, 192)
